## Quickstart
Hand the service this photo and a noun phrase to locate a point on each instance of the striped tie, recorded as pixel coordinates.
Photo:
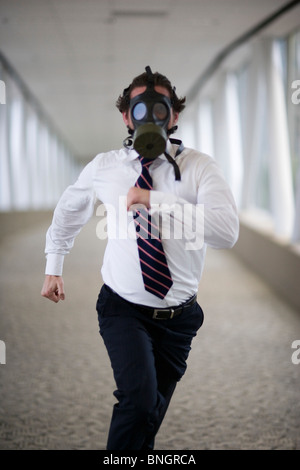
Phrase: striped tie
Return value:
(155, 271)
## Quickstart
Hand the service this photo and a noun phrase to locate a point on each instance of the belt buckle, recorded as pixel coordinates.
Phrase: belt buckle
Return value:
(157, 310)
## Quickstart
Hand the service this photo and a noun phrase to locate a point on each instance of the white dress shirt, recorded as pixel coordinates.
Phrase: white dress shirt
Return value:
(193, 213)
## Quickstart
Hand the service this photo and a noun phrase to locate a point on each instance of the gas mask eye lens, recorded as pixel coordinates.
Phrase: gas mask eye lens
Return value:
(139, 111)
(160, 111)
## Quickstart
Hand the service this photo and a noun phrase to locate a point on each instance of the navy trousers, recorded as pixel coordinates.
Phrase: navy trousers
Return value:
(148, 358)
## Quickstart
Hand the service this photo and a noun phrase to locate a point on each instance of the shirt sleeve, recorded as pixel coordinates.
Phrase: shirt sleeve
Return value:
(74, 209)
(214, 214)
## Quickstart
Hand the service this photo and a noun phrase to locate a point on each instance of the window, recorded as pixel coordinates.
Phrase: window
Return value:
(29, 151)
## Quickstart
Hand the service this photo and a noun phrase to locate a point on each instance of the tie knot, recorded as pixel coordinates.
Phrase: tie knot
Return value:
(145, 180)
(145, 162)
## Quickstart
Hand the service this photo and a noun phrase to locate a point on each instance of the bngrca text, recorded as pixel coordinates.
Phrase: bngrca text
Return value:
(171, 459)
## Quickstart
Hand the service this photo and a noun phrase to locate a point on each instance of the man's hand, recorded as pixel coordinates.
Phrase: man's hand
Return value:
(138, 196)
(53, 288)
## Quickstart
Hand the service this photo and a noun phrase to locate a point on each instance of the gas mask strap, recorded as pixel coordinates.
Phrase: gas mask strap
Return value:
(128, 142)
(150, 77)
(180, 146)
(175, 166)
(172, 160)
(172, 130)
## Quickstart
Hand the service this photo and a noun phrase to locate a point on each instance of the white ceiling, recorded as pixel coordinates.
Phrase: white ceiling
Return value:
(76, 56)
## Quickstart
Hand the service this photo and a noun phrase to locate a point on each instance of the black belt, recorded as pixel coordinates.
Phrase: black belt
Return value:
(166, 313)
(159, 313)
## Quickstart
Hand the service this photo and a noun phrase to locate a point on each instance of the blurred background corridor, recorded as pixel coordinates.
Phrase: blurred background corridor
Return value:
(63, 64)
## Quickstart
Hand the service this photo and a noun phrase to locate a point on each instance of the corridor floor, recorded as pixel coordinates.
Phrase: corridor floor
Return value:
(241, 389)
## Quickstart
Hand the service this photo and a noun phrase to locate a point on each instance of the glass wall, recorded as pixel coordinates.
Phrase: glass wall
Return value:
(248, 118)
(293, 101)
(35, 163)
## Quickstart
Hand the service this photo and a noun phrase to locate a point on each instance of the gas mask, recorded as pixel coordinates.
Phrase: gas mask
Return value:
(150, 113)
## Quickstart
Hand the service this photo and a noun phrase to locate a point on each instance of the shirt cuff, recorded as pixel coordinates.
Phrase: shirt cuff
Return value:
(159, 197)
(54, 265)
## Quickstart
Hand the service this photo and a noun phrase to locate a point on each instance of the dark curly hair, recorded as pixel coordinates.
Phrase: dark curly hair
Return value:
(122, 102)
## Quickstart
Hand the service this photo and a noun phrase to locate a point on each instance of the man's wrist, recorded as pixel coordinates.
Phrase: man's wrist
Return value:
(54, 264)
